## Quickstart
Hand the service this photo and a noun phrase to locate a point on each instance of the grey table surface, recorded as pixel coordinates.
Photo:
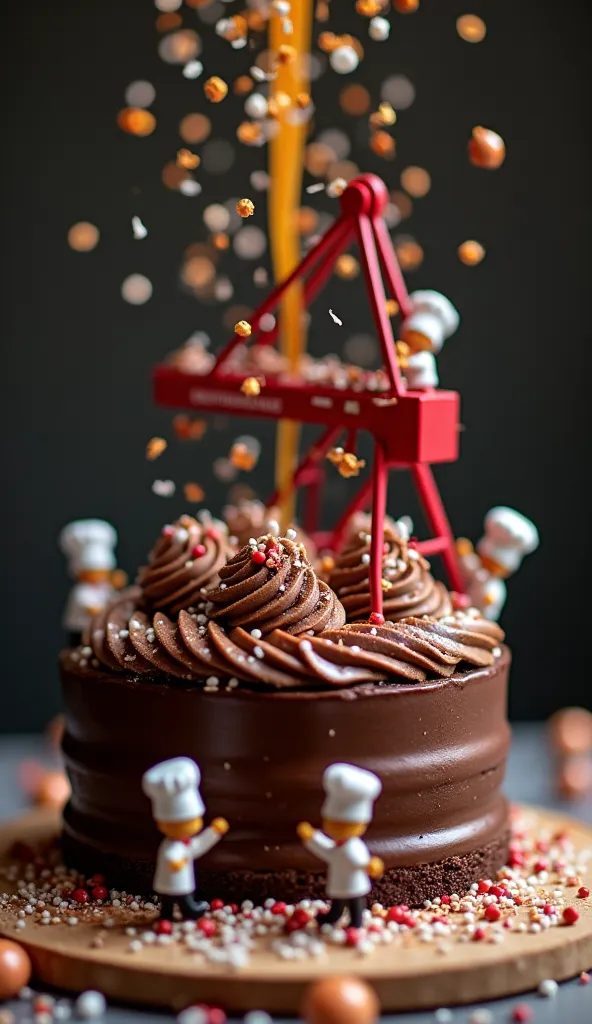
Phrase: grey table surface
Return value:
(530, 780)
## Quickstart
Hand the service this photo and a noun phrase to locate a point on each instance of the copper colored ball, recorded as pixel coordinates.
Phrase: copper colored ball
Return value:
(575, 777)
(15, 969)
(340, 1000)
(53, 790)
(487, 149)
(570, 731)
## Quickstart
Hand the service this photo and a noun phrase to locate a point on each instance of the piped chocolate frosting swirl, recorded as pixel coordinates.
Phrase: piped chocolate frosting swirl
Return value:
(408, 585)
(187, 556)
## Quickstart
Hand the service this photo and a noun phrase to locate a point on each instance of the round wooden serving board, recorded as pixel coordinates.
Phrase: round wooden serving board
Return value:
(406, 976)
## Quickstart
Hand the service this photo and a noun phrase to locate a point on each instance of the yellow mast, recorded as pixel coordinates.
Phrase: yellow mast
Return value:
(286, 160)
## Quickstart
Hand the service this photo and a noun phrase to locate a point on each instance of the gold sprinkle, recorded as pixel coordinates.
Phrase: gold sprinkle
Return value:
(155, 447)
(416, 181)
(215, 89)
(136, 121)
(83, 237)
(243, 329)
(187, 159)
(471, 28)
(251, 387)
(193, 492)
(245, 208)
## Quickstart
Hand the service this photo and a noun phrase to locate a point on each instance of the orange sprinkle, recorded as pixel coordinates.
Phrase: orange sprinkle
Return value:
(471, 253)
(406, 6)
(187, 159)
(242, 85)
(215, 89)
(245, 208)
(136, 121)
(383, 144)
(243, 329)
(188, 429)
(193, 492)
(155, 447)
(251, 387)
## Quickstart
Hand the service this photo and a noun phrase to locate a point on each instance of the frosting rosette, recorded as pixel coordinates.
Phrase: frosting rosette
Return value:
(186, 557)
(409, 589)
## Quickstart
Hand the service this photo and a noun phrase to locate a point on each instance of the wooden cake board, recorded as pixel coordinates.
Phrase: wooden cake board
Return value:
(409, 975)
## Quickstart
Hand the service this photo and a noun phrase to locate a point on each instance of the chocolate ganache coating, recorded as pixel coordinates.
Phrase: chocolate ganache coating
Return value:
(408, 586)
(439, 747)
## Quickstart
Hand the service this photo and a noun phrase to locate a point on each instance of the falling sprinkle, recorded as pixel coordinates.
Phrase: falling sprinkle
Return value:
(138, 228)
(319, 187)
(335, 318)
(193, 69)
(164, 488)
(155, 447)
(471, 28)
(193, 492)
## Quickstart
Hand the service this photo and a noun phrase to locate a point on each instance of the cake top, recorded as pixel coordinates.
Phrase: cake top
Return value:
(262, 617)
(407, 583)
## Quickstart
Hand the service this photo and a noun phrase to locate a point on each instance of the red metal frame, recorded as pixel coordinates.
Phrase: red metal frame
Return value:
(410, 429)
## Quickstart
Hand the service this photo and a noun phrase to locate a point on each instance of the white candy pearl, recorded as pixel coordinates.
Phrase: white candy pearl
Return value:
(344, 60)
(256, 106)
(379, 29)
(90, 1005)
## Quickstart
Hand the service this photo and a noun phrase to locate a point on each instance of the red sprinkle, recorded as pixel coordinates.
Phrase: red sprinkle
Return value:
(376, 619)
(540, 865)
(479, 934)
(396, 914)
(207, 926)
(213, 535)
(496, 890)
(258, 557)
(168, 531)
(100, 893)
(583, 892)
(198, 551)
(584, 978)
(217, 905)
(279, 908)
(570, 915)
(301, 916)
(522, 1013)
(163, 927)
(67, 894)
(80, 895)
(492, 913)
(548, 909)
(483, 886)
(460, 601)
(516, 859)
(445, 900)
(352, 936)
(97, 880)
(518, 901)
(212, 1014)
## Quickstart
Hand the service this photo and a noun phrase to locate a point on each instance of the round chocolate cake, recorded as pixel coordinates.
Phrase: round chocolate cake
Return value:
(248, 663)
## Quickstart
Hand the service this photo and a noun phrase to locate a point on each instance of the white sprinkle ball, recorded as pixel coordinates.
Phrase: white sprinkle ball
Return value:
(291, 534)
(256, 106)
(379, 29)
(136, 289)
(193, 69)
(90, 1005)
(548, 988)
(258, 1017)
(139, 230)
(443, 1016)
(344, 60)
(193, 1015)
(189, 187)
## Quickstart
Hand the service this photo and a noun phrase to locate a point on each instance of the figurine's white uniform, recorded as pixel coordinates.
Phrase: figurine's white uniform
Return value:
(509, 536)
(434, 318)
(347, 863)
(181, 882)
(83, 601)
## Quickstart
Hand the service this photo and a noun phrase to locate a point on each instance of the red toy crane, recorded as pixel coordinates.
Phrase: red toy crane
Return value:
(410, 429)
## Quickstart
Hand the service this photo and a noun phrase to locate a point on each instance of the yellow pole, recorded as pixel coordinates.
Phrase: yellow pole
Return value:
(286, 158)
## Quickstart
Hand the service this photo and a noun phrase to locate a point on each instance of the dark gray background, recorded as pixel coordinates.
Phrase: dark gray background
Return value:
(76, 403)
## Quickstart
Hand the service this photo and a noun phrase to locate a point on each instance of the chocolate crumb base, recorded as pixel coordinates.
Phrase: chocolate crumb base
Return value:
(402, 885)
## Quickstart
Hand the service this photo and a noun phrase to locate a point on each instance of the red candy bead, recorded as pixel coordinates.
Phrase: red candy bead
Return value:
(80, 895)
(445, 900)
(492, 913)
(583, 892)
(163, 927)
(396, 914)
(217, 905)
(67, 894)
(540, 865)
(168, 531)
(584, 978)
(100, 893)
(279, 908)
(483, 886)
(522, 1013)
(479, 934)
(376, 619)
(259, 557)
(496, 890)
(460, 601)
(198, 551)
(352, 936)
(207, 926)
(96, 880)
(213, 535)
(570, 915)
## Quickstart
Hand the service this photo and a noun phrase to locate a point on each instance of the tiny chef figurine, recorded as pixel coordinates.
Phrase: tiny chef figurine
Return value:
(432, 321)
(349, 796)
(177, 807)
(508, 537)
(89, 546)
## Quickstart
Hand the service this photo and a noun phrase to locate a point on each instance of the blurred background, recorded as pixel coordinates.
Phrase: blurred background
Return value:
(77, 354)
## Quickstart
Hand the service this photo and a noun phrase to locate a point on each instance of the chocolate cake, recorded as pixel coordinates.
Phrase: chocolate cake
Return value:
(264, 674)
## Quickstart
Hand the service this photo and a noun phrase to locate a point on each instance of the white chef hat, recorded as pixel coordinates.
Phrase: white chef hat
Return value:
(172, 786)
(508, 537)
(350, 793)
(89, 544)
(433, 316)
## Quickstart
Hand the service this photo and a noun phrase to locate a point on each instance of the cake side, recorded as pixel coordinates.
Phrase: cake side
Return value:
(439, 747)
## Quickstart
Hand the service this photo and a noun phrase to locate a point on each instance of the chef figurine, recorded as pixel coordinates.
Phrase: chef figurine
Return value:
(89, 545)
(349, 796)
(433, 319)
(508, 537)
(177, 807)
